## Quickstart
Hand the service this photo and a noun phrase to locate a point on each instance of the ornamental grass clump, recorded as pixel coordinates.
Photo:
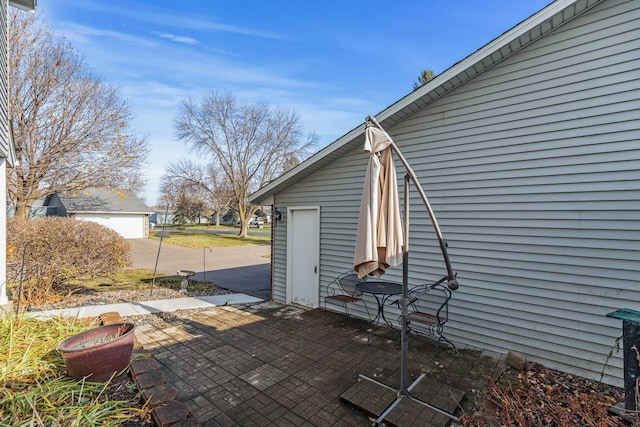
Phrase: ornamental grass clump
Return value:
(34, 389)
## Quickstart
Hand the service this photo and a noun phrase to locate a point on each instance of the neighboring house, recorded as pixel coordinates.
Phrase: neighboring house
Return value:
(38, 209)
(529, 152)
(161, 217)
(7, 150)
(122, 212)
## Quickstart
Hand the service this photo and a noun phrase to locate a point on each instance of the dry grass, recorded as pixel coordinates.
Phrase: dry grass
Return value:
(34, 387)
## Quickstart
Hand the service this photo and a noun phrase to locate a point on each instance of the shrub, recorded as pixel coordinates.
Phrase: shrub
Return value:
(59, 249)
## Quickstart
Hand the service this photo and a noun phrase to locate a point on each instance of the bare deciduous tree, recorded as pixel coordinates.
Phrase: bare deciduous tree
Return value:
(201, 181)
(71, 130)
(252, 143)
(189, 209)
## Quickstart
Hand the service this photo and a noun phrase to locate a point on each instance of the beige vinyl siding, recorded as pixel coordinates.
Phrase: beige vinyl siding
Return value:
(533, 171)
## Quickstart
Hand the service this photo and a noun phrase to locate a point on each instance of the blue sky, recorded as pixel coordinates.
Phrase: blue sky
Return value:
(334, 62)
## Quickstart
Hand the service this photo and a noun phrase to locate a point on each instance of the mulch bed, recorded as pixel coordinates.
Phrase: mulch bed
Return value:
(546, 397)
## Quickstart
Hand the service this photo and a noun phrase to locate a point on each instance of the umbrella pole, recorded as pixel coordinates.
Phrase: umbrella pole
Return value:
(404, 338)
(405, 389)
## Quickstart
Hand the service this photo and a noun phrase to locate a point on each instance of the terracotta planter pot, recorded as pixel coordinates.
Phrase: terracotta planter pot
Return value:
(98, 352)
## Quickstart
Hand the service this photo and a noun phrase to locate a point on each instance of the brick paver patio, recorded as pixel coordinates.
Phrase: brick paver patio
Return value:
(275, 365)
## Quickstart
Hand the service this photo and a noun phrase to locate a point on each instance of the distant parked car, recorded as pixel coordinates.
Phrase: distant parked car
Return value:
(256, 222)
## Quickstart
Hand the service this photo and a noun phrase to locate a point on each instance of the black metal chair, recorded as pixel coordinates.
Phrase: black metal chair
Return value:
(342, 292)
(428, 311)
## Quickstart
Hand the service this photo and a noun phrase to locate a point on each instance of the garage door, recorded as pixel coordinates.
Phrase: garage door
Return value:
(129, 226)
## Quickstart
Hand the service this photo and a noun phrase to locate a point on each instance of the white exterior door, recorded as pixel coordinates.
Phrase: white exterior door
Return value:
(303, 241)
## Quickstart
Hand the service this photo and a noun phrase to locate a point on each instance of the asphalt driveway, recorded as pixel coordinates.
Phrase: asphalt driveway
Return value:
(244, 269)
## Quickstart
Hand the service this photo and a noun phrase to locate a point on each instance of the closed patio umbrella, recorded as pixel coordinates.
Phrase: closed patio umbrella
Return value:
(382, 239)
(379, 239)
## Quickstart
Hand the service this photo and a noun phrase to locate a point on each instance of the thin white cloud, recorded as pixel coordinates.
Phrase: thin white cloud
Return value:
(177, 39)
(83, 34)
(205, 25)
(150, 13)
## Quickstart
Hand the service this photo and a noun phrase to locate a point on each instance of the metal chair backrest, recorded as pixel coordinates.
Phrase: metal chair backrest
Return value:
(348, 283)
(432, 299)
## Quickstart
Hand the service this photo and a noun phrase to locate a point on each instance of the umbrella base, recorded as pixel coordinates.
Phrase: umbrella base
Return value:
(388, 405)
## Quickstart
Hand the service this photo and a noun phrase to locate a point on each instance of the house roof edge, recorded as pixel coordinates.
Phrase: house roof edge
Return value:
(521, 35)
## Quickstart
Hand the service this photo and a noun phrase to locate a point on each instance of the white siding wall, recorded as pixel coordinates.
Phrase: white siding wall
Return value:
(4, 150)
(533, 171)
(4, 72)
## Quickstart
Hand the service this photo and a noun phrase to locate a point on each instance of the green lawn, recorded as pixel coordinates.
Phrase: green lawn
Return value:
(190, 237)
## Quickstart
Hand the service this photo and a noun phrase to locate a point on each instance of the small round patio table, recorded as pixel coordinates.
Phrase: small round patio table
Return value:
(381, 290)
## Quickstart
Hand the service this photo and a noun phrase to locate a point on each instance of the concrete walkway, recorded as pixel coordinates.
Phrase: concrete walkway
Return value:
(149, 307)
(242, 269)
